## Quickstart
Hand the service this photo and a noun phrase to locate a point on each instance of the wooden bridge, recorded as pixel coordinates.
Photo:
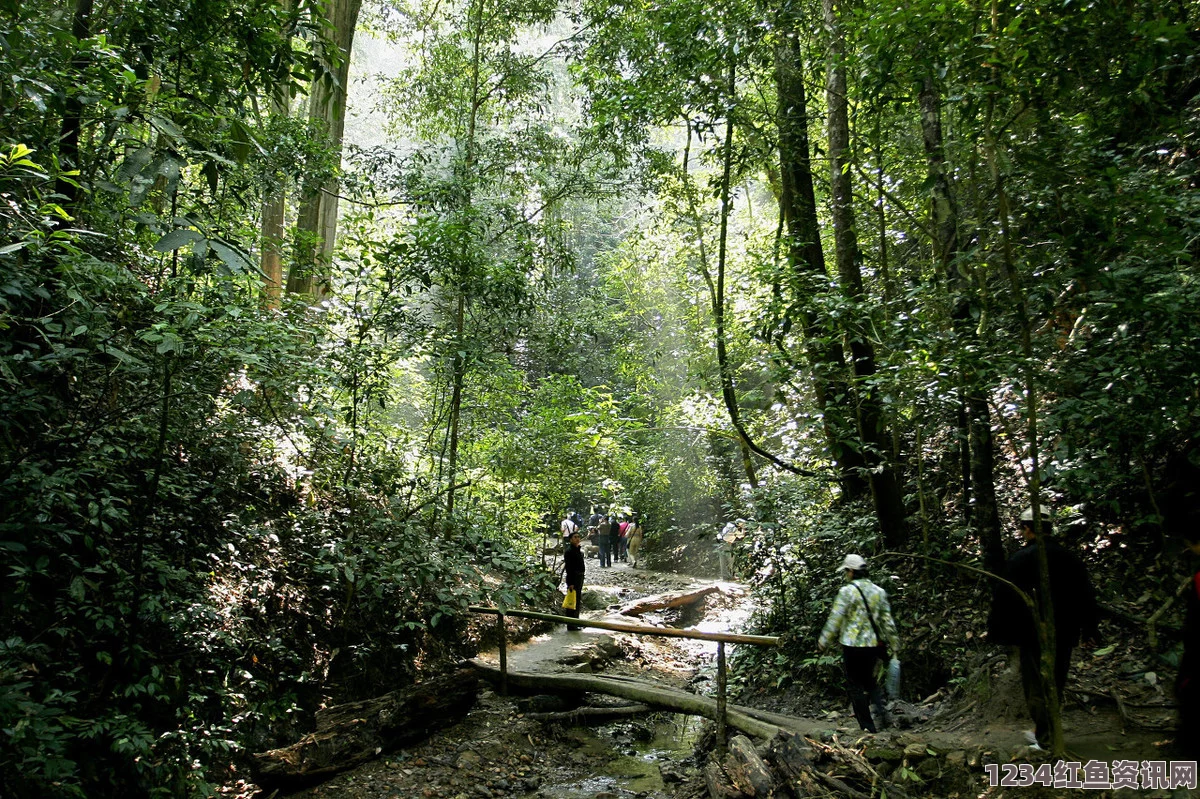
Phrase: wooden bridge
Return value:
(722, 708)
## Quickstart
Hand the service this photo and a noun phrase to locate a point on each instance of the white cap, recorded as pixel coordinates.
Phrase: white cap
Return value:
(853, 562)
(1027, 514)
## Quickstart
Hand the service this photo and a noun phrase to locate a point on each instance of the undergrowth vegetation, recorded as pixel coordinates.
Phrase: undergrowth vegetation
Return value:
(195, 559)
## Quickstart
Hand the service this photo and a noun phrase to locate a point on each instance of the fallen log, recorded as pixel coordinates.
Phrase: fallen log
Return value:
(747, 771)
(790, 755)
(351, 734)
(718, 783)
(646, 693)
(842, 788)
(585, 714)
(678, 599)
(792, 724)
(851, 761)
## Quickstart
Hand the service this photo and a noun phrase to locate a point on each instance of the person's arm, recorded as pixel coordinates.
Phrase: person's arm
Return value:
(1008, 614)
(1089, 616)
(890, 634)
(834, 624)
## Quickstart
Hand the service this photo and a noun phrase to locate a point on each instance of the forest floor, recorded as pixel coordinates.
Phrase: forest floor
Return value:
(939, 746)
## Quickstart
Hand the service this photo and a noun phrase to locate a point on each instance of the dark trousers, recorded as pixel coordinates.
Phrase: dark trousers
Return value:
(605, 550)
(614, 547)
(577, 584)
(1187, 695)
(859, 665)
(1031, 681)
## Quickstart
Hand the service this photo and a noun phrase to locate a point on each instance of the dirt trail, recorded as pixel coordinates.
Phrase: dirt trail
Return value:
(558, 650)
(499, 751)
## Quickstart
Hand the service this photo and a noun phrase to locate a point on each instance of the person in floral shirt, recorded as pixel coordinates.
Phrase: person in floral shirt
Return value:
(861, 621)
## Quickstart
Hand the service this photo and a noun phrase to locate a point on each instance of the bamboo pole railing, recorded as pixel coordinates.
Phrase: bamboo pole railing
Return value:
(636, 629)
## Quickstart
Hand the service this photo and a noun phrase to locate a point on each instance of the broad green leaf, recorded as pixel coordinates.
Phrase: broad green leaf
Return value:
(166, 126)
(234, 258)
(177, 238)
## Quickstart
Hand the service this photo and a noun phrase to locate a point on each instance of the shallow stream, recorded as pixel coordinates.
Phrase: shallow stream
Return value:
(636, 755)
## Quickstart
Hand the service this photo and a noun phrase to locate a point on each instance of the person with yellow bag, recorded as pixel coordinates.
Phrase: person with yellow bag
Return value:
(574, 568)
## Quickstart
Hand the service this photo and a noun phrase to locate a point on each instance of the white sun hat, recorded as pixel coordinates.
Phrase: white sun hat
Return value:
(1043, 511)
(853, 562)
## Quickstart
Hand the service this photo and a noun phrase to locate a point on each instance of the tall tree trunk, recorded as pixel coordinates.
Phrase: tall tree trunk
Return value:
(806, 259)
(458, 367)
(274, 206)
(317, 223)
(885, 488)
(979, 486)
(458, 364)
(72, 123)
(716, 292)
(274, 210)
(1046, 628)
(728, 389)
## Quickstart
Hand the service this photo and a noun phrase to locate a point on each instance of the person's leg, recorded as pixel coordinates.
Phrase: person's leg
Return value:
(1187, 695)
(882, 719)
(1035, 700)
(1062, 664)
(574, 612)
(859, 663)
(605, 557)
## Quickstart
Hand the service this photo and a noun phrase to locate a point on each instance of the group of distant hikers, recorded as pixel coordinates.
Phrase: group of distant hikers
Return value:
(616, 536)
(861, 618)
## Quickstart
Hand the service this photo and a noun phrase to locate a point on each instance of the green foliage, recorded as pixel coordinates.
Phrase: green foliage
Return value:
(155, 537)
(213, 516)
(202, 532)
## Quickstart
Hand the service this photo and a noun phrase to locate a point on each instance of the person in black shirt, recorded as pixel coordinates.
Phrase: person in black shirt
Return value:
(574, 567)
(1075, 615)
(614, 537)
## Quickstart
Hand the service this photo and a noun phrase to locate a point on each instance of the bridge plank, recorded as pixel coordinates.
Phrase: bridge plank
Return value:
(646, 693)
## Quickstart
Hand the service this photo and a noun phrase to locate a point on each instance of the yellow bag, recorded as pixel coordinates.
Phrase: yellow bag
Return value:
(569, 602)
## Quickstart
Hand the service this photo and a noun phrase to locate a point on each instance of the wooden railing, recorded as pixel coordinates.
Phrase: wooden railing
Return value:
(635, 629)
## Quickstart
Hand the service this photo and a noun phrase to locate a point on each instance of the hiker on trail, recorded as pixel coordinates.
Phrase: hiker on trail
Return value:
(861, 621)
(573, 568)
(634, 535)
(604, 542)
(568, 526)
(1075, 615)
(730, 534)
(1187, 682)
(614, 537)
(623, 538)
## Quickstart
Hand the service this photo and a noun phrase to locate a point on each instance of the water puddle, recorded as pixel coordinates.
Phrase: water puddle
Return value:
(629, 757)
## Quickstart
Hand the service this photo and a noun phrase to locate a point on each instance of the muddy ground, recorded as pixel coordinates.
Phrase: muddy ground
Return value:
(941, 748)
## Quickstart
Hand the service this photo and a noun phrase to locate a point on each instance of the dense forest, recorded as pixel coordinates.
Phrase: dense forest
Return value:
(302, 351)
